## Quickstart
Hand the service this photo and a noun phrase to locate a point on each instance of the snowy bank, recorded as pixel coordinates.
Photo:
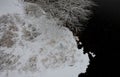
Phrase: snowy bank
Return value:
(33, 45)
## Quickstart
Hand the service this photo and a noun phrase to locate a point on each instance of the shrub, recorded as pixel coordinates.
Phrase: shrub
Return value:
(72, 13)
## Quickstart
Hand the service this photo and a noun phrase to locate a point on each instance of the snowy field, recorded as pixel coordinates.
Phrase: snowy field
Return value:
(34, 45)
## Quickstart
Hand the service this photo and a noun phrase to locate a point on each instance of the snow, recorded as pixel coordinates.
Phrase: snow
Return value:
(10, 6)
(39, 47)
(92, 54)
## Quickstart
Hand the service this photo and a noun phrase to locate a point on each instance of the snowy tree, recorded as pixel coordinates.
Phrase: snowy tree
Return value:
(33, 45)
(72, 13)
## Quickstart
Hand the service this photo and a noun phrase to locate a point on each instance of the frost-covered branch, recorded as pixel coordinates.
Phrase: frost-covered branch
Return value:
(72, 13)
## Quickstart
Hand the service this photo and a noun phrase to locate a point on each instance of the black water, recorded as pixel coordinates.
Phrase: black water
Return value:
(102, 37)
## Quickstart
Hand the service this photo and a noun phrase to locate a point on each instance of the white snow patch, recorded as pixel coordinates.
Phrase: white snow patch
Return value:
(41, 49)
(10, 7)
(92, 54)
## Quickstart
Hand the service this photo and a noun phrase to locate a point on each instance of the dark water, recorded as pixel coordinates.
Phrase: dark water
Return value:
(102, 37)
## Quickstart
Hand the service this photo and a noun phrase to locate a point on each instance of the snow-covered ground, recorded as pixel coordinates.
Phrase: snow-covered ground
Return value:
(33, 45)
(11, 6)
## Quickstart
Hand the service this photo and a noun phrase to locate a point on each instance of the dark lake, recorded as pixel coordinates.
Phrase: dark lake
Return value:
(102, 37)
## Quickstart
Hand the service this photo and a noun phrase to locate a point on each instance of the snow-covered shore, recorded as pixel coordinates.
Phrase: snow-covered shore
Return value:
(31, 45)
